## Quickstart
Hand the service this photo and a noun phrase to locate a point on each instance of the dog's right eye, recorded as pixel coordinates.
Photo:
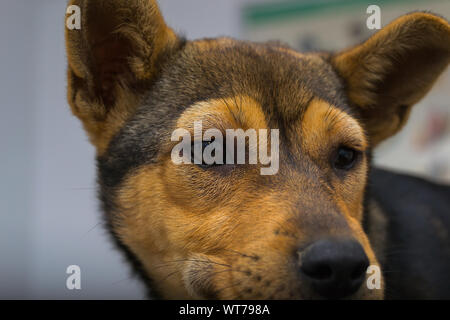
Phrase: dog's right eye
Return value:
(200, 160)
(345, 158)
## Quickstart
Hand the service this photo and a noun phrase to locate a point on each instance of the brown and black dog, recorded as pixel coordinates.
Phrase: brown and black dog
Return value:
(224, 231)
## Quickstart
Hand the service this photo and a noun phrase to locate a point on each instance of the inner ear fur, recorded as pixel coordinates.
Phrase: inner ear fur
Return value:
(391, 71)
(115, 56)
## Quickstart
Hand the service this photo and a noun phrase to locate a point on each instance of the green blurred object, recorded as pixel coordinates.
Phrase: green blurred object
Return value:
(254, 14)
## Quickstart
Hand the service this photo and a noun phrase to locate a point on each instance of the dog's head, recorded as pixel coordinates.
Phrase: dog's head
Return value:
(227, 231)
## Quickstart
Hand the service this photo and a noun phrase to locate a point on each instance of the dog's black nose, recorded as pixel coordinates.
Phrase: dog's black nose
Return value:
(334, 268)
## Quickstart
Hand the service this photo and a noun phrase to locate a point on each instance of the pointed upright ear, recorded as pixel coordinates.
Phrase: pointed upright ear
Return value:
(115, 56)
(393, 70)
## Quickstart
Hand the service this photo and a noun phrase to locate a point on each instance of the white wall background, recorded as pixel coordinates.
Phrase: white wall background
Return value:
(17, 128)
(49, 215)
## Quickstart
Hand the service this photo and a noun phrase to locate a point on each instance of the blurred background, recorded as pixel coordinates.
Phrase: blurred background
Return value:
(49, 216)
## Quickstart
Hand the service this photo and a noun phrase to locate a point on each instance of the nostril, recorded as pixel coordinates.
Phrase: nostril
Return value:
(318, 272)
(359, 271)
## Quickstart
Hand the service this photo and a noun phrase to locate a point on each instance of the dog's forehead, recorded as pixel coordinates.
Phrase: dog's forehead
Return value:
(277, 76)
(282, 80)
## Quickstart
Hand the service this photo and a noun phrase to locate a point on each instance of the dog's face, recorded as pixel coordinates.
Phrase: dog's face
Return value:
(226, 231)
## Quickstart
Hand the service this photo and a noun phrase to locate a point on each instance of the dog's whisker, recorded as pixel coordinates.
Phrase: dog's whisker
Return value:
(227, 287)
(169, 275)
(92, 228)
(121, 280)
(195, 260)
(254, 257)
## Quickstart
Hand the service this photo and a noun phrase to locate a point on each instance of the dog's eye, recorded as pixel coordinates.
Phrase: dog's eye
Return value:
(200, 157)
(345, 158)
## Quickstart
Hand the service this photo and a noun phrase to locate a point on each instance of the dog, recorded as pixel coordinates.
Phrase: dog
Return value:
(315, 228)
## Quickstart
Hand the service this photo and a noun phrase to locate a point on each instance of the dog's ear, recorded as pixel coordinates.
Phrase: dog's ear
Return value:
(394, 69)
(115, 55)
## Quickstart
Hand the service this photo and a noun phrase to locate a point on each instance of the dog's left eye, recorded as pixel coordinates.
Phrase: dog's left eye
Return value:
(345, 158)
